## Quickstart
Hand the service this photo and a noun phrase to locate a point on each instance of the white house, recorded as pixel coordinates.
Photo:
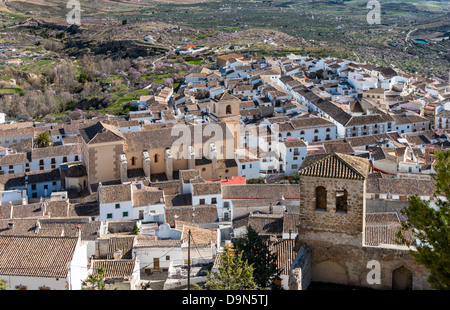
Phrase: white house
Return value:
(157, 255)
(292, 152)
(52, 157)
(30, 262)
(131, 200)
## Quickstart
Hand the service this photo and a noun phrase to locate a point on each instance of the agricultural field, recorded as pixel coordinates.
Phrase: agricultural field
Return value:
(81, 60)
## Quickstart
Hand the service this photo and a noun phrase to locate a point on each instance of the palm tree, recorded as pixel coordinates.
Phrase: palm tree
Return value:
(44, 140)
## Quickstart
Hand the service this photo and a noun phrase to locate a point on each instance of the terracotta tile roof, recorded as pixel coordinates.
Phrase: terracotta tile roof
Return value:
(199, 236)
(101, 133)
(382, 228)
(285, 254)
(36, 256)
(264, 224)
(359, 120)
(166, 137)
(261, 191)
(201, 189)
(200, 214)
(57, 208)
(43, 176)
(342, 148)
(187, 175)
(313, 121)
(145, 197)
(19, 227)
(291, 222)
(122, 243)
(335, 165)
(13, 159)
(56, 151)
(115, 268)
(143, 241)
(89, 230)
(86, 209)
(115, 193)
(34, 210)
(400, 186)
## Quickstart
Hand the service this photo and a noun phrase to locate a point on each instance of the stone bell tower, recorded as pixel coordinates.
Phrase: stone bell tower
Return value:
(332, 202)
(226, 109)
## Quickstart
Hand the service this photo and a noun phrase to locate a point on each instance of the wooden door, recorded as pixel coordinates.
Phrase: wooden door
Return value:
(155, 264)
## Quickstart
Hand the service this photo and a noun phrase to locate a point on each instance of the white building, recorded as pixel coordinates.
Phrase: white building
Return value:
(30, 262)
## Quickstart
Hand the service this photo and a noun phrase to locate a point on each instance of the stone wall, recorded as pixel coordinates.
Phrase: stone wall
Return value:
(350, 222)
(352, 265)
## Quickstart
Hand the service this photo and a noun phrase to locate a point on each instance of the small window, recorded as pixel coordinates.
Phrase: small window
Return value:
(167, 257)
(54, 183)
(64, 159)
(125, 214)
(243, 166)
(33, 186)
(213, 200)
(117, 205)
(109, 216)
(321, 198)
(202, 201)
(341, 200)
(41, 162)
(76, 158)
(45, 186)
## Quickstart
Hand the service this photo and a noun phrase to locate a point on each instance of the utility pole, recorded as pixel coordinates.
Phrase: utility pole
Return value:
(189, 261)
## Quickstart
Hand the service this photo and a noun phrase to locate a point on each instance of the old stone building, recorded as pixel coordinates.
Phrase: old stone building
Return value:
(338, 241)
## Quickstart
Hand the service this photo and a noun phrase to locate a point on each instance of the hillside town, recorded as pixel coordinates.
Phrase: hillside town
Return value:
(318, 155)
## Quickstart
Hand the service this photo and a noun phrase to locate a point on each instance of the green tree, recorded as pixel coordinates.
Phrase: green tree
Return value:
(43, 140)
(257, 253)
(95, 282)
(3, 285)
(84, 78)
(234, 274)
(430, 227)
(135, 229)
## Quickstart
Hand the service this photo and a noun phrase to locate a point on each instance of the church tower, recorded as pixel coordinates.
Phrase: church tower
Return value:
(226, 109)
(332, 202)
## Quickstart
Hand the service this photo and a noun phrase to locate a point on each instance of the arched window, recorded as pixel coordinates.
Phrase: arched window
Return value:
(228, 109)
(288, 134)
(328, 129)
(316, 131)
(341, 200)
(302, 132)
(321, 198)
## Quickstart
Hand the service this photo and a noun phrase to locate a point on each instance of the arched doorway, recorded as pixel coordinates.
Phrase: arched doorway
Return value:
(329, 272)
(402, 279)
